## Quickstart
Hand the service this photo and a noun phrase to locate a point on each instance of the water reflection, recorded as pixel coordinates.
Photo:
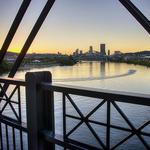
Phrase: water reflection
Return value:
(136, 82)
(103, 69)
(85, 70)
(91, 69)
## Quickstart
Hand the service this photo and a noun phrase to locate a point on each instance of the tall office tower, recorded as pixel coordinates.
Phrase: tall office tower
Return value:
(102, 49)
(77, 51)
(90, 49)
(108, 52)
(81, 52)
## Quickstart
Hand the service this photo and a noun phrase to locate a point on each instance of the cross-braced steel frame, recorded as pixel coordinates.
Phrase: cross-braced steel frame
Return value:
(127, 3)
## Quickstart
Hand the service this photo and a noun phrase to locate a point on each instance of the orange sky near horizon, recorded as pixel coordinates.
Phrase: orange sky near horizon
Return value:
(86, 24)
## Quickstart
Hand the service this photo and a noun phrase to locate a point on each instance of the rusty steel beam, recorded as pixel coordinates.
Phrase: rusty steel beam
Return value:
(21, 12)
(31, 37)
(138, 15)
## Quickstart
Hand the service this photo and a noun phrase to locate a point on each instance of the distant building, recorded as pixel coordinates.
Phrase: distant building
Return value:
(36, 61)
(81, 52)
(59, 53)
(103, 49)
(77, 52)
(117, 52)
(90, 49)
(108, 52)
(10, 60)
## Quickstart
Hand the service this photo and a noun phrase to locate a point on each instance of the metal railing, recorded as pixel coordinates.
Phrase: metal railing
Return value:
(12, 126)
(105, 96)
(41, 116)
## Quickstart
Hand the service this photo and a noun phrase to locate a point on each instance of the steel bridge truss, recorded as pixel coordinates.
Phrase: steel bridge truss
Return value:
(23, 8)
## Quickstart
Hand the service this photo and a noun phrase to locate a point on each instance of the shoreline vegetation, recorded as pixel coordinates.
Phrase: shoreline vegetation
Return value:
(28, 64)
(4, 67)
(69, 61)
(134, 62)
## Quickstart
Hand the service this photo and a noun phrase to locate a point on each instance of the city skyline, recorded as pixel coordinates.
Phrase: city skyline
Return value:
(87, 23)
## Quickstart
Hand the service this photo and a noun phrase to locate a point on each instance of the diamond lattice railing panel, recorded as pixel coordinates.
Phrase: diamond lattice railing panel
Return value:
(123, 127)
(87, 104)
(10, 102)
(83, 125)
(135, 129)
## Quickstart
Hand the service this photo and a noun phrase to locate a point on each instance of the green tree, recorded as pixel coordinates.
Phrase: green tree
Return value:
(4, 67)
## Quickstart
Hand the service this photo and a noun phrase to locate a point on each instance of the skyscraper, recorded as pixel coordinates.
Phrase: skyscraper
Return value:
(91, 49)
(77, 51)
(102, 49)
(81, 52)
(108, 52)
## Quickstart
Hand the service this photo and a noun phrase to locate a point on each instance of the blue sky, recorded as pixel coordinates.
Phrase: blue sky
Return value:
(75, 24)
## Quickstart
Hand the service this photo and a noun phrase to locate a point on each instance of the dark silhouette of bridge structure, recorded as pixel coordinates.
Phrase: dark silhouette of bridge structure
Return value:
(40, 128)
(137, 14)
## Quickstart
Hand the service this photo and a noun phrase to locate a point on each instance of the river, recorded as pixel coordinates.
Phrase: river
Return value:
(99, 75)
(113, 76)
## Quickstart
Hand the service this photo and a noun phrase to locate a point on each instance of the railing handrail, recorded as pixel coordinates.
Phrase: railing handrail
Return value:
(120, 96)
(13, 81)
(41, 116)
(111, 95)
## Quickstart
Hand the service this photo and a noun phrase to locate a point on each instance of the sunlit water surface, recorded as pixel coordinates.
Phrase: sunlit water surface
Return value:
(114, 76)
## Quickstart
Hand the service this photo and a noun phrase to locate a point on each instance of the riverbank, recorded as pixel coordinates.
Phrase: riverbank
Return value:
(4, 67)
(29, 64)
(134, 62)
(47, 63)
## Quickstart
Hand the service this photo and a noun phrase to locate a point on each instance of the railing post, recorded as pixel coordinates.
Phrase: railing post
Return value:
(40, 110)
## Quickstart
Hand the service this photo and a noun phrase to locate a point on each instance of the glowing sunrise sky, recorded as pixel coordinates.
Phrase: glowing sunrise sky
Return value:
(73, 24)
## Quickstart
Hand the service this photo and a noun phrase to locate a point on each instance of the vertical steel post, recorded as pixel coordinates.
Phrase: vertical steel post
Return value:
(40, 110)
(64, 117)
(108, 124)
